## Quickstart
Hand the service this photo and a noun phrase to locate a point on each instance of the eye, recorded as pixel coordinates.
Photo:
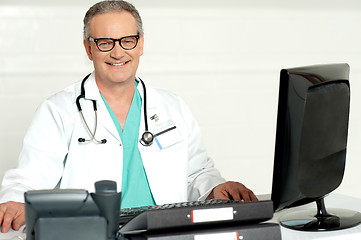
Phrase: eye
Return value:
(105, 42)
(129, 41)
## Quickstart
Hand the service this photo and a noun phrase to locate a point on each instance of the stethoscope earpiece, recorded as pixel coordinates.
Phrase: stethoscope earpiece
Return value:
(147, 137)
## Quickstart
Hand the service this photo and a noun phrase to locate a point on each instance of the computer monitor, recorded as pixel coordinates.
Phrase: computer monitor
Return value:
(311, 143)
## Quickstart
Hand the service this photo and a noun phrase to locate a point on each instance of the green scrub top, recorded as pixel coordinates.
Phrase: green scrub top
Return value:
(135, 191)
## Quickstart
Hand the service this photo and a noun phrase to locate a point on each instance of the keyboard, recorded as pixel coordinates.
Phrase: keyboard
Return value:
(192, 214)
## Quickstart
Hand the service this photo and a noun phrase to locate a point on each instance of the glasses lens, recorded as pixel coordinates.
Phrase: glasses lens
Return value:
(105, 44)
(129, 42)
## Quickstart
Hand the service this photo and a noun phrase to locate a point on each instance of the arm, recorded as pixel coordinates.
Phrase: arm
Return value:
(41, 159)
(202, 175)
(40, 165)
(204, 180)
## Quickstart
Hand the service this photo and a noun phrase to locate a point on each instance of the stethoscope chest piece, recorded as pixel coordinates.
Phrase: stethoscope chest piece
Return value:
(147, 138)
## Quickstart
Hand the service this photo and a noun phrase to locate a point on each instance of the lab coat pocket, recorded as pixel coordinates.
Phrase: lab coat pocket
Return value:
(167, 135)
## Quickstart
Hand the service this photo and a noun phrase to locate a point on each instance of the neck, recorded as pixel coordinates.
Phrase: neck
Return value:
(119, 97)
(117, 93)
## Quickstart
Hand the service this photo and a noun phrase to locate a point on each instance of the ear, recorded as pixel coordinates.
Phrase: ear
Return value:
(88, 50)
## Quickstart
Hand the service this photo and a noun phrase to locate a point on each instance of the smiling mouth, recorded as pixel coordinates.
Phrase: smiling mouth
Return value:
(117, 64)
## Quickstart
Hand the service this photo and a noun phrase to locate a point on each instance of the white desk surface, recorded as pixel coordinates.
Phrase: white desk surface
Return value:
(332, 201)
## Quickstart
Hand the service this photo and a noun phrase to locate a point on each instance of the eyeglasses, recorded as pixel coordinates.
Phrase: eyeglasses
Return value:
(107, 44)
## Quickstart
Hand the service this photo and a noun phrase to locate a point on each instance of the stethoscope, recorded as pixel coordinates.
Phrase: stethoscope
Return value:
(147, 137)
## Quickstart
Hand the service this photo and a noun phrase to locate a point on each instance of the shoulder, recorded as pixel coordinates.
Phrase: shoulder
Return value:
(69, 93)
(57, 112)
(61, 103)
(66, 96)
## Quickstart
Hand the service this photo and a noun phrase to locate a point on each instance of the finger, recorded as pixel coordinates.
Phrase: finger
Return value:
(236, 195)
(1, 216)
(224, 195)
(220, 193)
(253, 196)
(19, 221)
(8, 218)
(17, 225)
(235, 190)
(245, 195)
(5, 227)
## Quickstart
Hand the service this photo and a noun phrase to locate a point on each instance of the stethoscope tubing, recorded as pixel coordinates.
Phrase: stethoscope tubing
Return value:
(147, 137)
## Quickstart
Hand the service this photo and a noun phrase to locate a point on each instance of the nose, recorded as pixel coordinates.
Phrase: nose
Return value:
(117, 52)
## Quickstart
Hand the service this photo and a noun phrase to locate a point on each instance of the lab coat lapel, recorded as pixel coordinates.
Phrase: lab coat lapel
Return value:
(104, 118)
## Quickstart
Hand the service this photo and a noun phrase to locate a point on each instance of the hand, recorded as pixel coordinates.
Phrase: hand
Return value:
(11, 214)
(232, 191)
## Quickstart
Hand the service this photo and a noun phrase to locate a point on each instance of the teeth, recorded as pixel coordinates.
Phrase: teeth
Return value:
(117, 64)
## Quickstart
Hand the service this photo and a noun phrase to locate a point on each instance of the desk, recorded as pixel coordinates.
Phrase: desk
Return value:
(14, 235)
(332, 201)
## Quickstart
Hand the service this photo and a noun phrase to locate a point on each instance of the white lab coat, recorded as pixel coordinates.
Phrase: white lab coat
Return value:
(52, 154)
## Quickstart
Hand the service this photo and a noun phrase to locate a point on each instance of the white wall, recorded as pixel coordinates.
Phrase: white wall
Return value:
(224, 60)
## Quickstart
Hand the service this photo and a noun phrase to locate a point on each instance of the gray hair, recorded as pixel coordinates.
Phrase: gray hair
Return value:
(110, 6)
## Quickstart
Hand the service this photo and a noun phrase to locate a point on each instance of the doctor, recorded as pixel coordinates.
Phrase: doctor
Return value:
(143, 138)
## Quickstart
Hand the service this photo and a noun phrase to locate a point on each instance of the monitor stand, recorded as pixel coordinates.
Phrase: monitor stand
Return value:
(308, 220)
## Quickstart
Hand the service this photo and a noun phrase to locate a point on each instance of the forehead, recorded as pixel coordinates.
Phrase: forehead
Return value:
(113, 24)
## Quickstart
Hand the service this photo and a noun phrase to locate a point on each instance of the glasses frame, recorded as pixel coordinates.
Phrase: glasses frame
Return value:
(96, 40)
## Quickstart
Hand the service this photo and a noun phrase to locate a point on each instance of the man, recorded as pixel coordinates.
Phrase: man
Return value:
(61, 149)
